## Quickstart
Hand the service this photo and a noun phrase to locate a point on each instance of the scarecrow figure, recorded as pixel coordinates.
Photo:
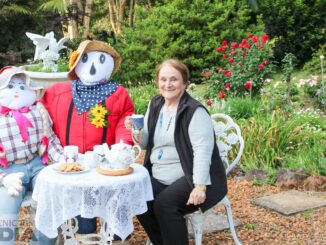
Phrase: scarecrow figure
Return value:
(91, 109)
(26, 142)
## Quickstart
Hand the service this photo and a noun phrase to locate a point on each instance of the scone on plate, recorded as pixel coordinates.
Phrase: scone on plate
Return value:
(70, 167)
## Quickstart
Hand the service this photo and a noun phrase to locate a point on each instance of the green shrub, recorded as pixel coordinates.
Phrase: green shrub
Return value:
(62, 64)
(275, 140)
(314, 65)
(182, 29)
(241, 108)
(141, 96)
(296, 26)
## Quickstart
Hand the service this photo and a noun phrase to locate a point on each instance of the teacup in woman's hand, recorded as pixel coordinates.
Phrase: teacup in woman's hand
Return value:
(137, 123)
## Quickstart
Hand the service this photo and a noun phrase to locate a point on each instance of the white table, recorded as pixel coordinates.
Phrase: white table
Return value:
(115, 199)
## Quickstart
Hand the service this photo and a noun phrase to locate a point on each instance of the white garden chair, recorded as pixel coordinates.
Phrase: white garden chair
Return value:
(230, 144)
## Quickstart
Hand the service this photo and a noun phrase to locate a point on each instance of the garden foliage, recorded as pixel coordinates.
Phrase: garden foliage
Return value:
(296, 26)
(187, 30)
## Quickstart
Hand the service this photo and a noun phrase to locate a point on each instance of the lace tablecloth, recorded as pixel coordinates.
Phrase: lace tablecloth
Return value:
(116, 199)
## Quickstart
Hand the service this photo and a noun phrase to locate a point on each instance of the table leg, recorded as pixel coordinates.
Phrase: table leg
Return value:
(105, 233)
(70, 227)
(69, 231)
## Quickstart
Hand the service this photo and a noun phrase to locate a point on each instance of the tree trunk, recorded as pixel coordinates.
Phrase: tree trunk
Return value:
(87, 17)
(73, 20)
(112, 15)
(132, 12)
(116, 12)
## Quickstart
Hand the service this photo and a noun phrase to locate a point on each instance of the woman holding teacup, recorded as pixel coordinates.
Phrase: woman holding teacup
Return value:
(182, 158)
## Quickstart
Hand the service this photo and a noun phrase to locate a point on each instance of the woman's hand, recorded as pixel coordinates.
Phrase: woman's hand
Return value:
(128, 122)
(198, 195)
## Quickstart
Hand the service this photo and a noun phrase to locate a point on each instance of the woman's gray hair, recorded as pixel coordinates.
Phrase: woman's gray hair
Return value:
(179, 66)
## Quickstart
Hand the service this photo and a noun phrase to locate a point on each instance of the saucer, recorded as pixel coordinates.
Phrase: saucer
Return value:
(114, 172)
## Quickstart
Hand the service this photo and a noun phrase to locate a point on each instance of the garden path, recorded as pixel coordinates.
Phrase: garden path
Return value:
(260, 226)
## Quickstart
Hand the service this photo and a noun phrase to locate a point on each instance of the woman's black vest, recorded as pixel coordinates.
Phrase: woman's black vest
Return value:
(186, 108)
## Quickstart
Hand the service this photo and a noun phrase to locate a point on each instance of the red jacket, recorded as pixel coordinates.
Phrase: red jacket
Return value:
(82, 133)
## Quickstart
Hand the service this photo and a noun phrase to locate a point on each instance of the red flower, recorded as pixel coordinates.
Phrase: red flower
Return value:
(227, 86)
(231, 60)
(254, 39)
(206, 74)
(264, 39)
(261, 67)
(244, 53)
(248, 85)
(227, 73)
(265, 62)
(234, 45)
(225, 56)
(209, 103)
(219, 49)
(244, 41)
(233, 52)
(221, 95)
(224, 43)
(247, 45)
(249, 35)
(240, 45)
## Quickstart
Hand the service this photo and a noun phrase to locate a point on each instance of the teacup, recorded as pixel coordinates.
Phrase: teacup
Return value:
(99, 150)
(137, 123)
(71, 153)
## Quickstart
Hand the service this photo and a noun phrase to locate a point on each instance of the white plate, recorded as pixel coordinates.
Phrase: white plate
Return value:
(56, 169)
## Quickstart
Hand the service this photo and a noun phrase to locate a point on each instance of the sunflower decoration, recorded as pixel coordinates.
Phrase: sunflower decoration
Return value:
(97, 116)
(73, 57)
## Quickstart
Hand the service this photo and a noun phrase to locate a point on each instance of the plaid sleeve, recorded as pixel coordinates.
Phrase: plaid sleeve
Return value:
(55, 149)
(2, 175)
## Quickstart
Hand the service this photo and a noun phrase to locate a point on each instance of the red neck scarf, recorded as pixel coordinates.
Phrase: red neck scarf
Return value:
(22, 121)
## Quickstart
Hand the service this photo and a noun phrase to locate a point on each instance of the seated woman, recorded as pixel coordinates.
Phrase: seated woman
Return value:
(182, 158)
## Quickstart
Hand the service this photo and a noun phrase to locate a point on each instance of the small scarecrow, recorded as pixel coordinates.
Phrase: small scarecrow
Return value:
(26, 141)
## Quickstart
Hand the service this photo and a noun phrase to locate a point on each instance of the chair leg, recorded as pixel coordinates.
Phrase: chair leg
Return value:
(225, 201)
(148, 242)
(197, 220)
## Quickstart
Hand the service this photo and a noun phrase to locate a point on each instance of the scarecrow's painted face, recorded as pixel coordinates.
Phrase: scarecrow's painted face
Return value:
(94, 67)
(17, 95)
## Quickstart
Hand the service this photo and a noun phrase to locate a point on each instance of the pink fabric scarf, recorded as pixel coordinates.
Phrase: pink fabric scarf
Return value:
(22, 121)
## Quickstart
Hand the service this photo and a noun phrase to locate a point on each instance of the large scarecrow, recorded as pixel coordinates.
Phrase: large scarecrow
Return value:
(91, 109)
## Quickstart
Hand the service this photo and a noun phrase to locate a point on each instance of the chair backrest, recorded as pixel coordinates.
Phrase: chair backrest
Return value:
(228, 139)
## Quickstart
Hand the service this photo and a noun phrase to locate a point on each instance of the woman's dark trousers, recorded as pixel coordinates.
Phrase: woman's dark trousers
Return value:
(164, 221)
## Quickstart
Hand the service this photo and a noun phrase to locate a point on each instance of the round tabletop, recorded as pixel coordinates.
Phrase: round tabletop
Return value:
(116, 199)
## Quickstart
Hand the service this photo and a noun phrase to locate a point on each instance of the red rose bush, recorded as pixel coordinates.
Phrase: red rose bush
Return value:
(243, 68)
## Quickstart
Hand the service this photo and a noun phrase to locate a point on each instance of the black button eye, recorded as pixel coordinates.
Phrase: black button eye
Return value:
(10, 86)
(22, 87)
(84, 58)
(102, 58)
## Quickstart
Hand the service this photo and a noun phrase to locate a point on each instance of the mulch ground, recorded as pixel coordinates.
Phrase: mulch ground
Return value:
(259, 225)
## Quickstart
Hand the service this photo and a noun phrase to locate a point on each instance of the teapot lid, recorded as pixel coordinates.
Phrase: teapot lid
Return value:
(120, 145)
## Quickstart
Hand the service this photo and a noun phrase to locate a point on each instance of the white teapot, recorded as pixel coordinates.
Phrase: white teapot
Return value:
(122, 155)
